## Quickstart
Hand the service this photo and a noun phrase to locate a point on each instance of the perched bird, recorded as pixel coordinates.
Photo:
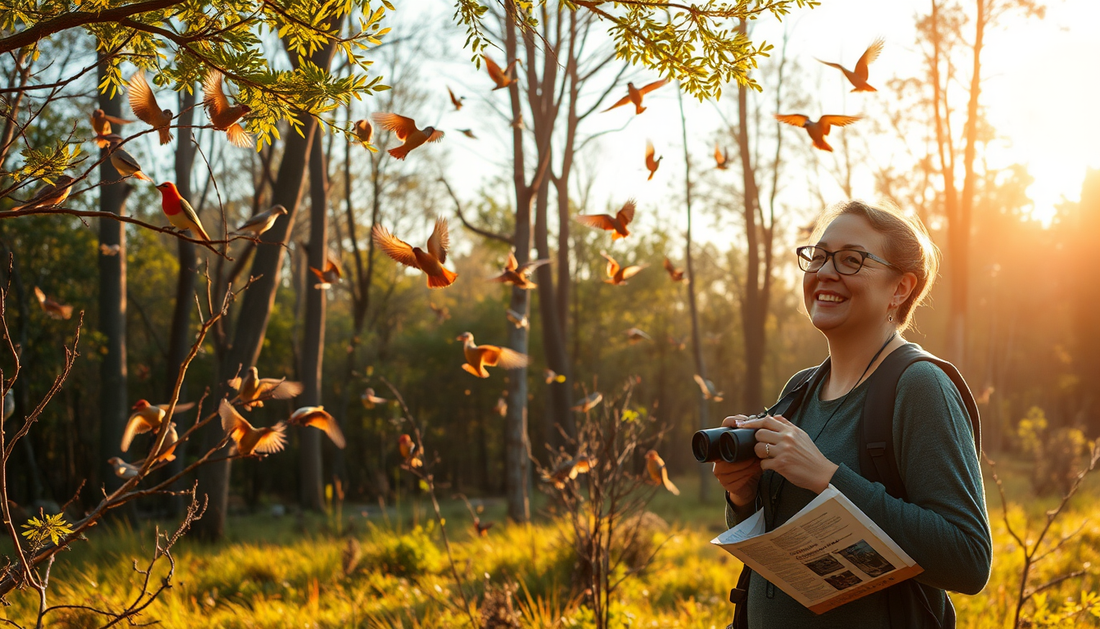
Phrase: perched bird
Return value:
(147, 418)
(9, 404)
(518, 320)
(817, 130)
(331, 275)
(634, 335)
(249, 439)
(468, 133)
(478, 357)
(614, 224)
(707, 388)
(658, 473)
(634, 95)
(179, 212)
(617, 275)
(502, 78)
(721, 158)
(552, 376)
(252, 390)
(442, 313)
(261, 222)
(52, 308)
(430, 261)
(456, 101)
(517, 274)
(406, 131)
(370, 400)
(501, 407)
(568, 470)
(318, 417)
(409, 452)
(223, 116)
(122, 469)
(589, 402)
(109, 250)
(677, 275)
(365, 132)
(858, 78)
(123, 162)
(49, 195)
(101, 124)
(650, 163)
(145, 107)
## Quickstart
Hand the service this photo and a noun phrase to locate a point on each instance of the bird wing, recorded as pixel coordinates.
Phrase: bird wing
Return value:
(631, 271)
(835, 121)
(505, 358)
(400, 125)
(626, 214)
(602, 221)
(619, 103)
(394, 247)
(436, 136)
(238, 136)
(440, 240)
(180, 408)
(332, 267)
(612, 265)
(831, 64)
(213, 98)
(259, 219)
(649, 153)
(189, 212)
(127, 159)
(142, 101)
(278, 389)
(272, 440)
(231, 419)
(116, 119)
(511, 264)
(454, 101)
(40, 295)
(869, 56)
(652, 86)
(668, 267)
(136, 426)
(319, 418)
(531, 265)
(797, 120)
(494, 70)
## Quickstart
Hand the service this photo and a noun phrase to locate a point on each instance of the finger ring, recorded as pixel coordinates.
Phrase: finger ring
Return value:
(768, 450)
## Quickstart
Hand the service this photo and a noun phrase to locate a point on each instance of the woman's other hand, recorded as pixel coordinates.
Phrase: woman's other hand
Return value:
(740, 479)
(789, 451)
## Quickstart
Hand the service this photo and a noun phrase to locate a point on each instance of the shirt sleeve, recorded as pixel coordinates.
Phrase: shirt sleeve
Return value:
(943, 525)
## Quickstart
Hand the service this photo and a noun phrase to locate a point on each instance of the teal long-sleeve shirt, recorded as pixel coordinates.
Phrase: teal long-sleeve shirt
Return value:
(943, 525)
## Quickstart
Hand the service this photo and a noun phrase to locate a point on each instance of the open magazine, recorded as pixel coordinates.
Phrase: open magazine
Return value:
(828, 554)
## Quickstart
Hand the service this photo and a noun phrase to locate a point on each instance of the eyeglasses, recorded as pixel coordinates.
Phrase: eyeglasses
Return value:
(845, 261)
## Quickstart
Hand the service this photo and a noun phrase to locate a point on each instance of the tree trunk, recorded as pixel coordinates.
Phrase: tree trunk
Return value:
(313, 345)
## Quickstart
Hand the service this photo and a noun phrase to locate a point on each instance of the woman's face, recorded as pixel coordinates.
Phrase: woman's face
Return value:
(838, 303)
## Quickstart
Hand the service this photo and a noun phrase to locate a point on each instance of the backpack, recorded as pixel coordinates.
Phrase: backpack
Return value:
(908, 601)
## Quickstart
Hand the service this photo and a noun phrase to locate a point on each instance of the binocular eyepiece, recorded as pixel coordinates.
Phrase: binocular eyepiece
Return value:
(731, 445)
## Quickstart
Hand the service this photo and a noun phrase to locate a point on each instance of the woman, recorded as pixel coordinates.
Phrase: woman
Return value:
(868, 271)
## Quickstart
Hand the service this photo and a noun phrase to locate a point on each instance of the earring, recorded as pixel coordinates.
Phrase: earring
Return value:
(890, 318)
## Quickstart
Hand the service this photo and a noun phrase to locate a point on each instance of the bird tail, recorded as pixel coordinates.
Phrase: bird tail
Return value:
(165, 135)
(638, 109)
(823, 145)
(238, 136)
(672, 488)
(651, 173)
(102, 142)
(615, 235)
(443, 281)
(142, 176)
(399, 151)
(864, 88)
(200, 231)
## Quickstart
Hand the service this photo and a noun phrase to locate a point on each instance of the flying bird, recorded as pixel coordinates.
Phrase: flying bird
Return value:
(721, 158)
(518, 320)
(179, 212)
(589, 402)
(249, 439)
(650, 163)
(370, 400)
(101, 124)
(501, 407)
(568, 470)
(858, 78)
(634, 95)
(364, 132)
(552, 376)
(331, 275)
(817, 130)
(262, 222)
(145, 107)
(517, 274)
(707, 388)
(318, 417)
(617, 275)
(502, 78)
(122, 469)
(634, 335)
(658, 473)
(252, 390)
(109, 250)
(468, 133)
(52, 308)
(409, 452)
(147, 417)
(223, 116)
(478, 357)
(406, 131)
(49, 195)
(430, 261)
(614, 224)
(123, 162)
(456, 101)
(677, 275)
(167, 451)
(442, 313)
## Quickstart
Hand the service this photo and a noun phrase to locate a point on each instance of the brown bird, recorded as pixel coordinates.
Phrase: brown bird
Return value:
(49, 195)
(249, 439)
(616, 274)
(478, 357)
(365, 132)
(721, 158)
(568, 470)
(145, 107)
(658, 473)
(501, 407)
(518, 320)
(707, 388)
(370, 400)
(123, 162)
(223, 116)
(482, 528)
(501, 78)
(817, 130)
(101, 124)
(442, 313)
(409, 452)
(456, 101)
(468, 133)
(517, 274)
(552, 376)
(614, 224)
(651, 164)
(252, 390)
(318, 417)
(109, 250)
(634, 95)
(430, 261)
(406, 131)
(589, 402)
(677, 275)
(52, 308)
(262, 222)
(167, 451)
(858, 78)
(147, 418)
(634, 335)
(331, 275)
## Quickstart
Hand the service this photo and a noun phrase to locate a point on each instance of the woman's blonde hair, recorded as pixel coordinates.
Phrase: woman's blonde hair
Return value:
(908, 247)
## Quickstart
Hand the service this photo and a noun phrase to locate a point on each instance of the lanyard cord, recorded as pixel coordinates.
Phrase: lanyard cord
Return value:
(782, 480)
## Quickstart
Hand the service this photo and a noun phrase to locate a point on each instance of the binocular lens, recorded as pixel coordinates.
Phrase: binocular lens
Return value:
(724, 444)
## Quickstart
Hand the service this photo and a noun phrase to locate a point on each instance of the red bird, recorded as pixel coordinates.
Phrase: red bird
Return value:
(179, 211)
(409, 452)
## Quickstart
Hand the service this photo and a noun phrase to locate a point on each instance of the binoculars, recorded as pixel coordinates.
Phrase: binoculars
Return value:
(731, 445)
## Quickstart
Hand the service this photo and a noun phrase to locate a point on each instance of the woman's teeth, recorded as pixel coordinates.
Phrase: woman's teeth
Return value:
(833, 298)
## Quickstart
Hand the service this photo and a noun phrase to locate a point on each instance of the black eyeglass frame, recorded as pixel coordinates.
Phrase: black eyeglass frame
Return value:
(864, 255)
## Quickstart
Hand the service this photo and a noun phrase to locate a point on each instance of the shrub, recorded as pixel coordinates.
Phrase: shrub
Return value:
(409, 555)
(1058, 453)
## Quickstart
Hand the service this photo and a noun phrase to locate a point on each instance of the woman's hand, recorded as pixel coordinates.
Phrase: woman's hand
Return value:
(739, 479)
(789, 451)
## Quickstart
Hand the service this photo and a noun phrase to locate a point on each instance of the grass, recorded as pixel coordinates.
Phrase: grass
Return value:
(292, 571)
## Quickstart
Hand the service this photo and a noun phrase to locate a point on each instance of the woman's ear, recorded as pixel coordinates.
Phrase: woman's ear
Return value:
(907, 283)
